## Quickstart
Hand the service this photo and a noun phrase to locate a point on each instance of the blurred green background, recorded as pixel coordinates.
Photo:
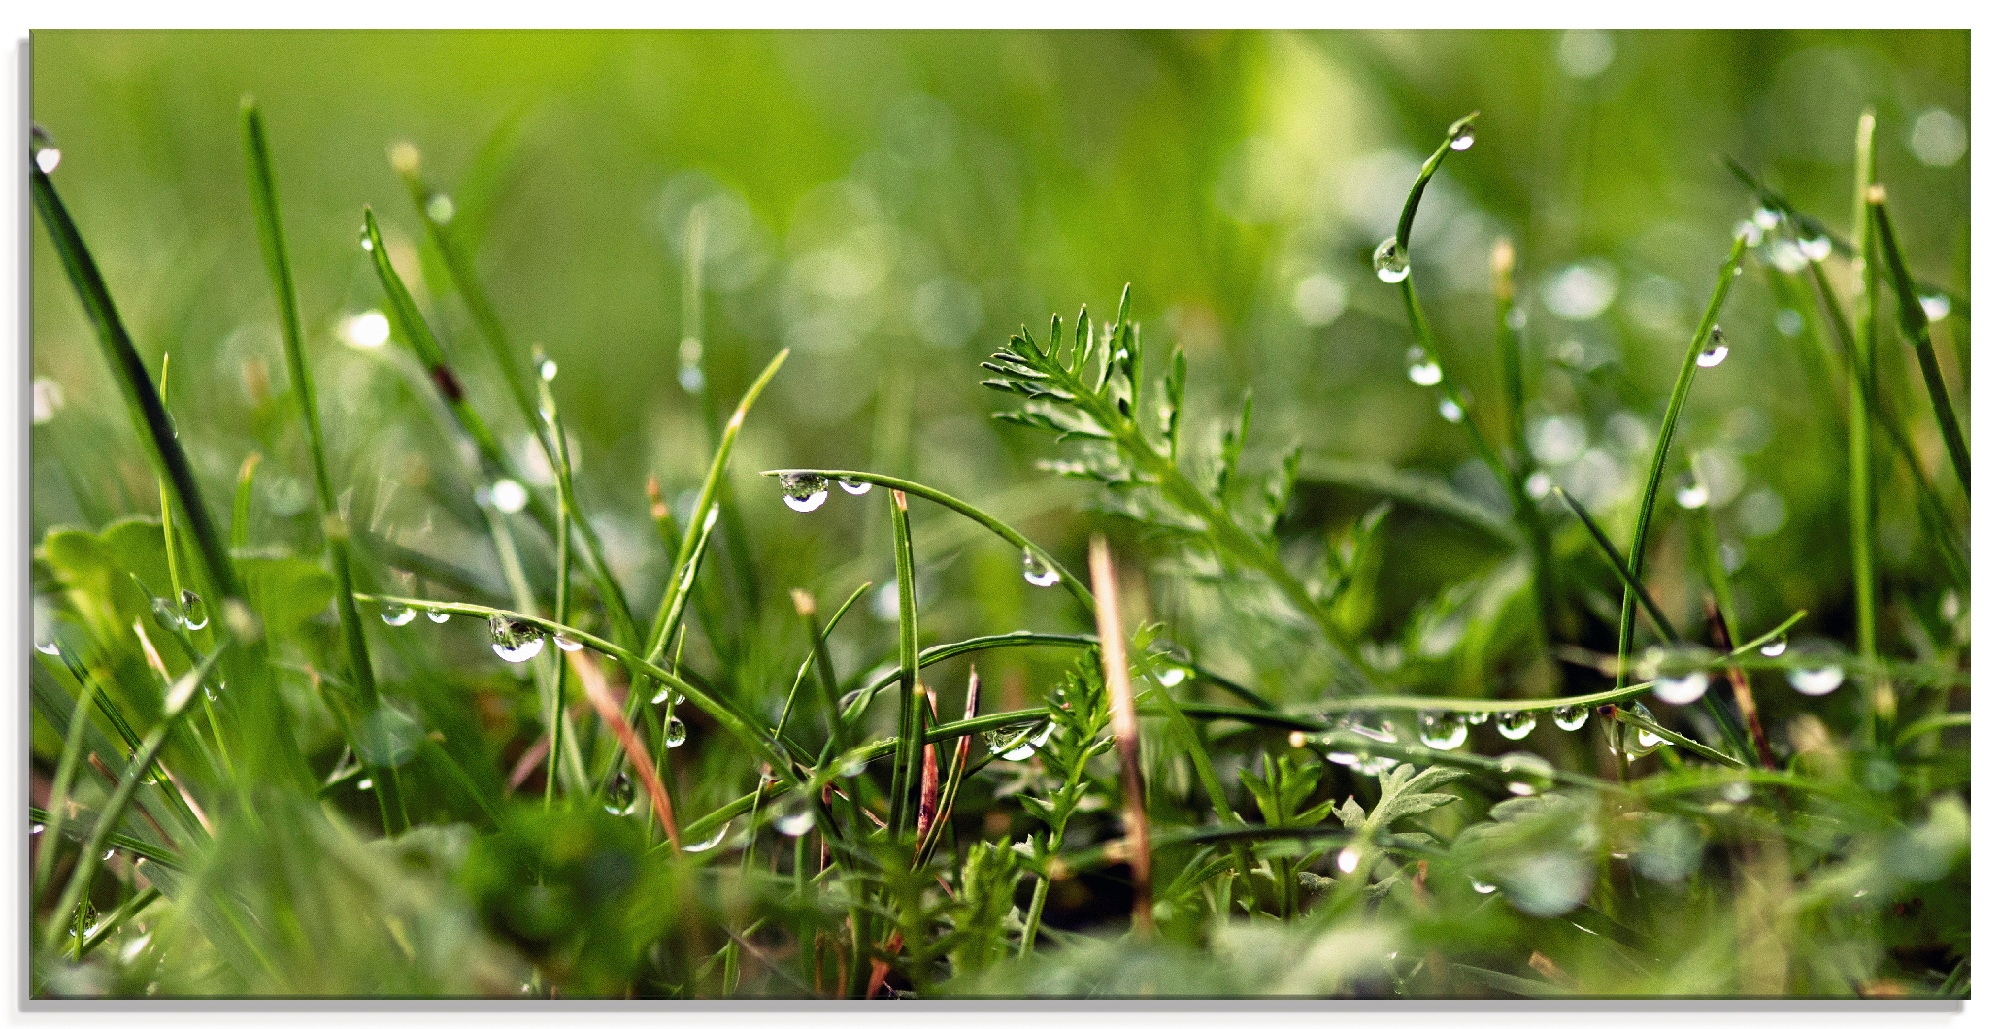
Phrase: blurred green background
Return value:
(891, 205)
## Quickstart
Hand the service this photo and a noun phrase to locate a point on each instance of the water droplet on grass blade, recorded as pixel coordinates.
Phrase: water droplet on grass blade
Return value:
(439, 617)
(165, 614)
(676, 731)
(1462, 138)
(366, 243)
(1816, 248)
(1816, 682)
(803, 491)
(1480, 887)
(1441, 730)
(795, 818)
(47, 158)
(515, 641)
(1685, 689)
(1171, 675)
(1765, 218)
(1449, 410)
(48, 647)
(547, 370)
(1716, 351)
(1349, 860)
(1037, 571)
(856, 487)
(365, 331)
(710, 843)
(397, 614)
(565, 643)
(440, 209)
(1515, 725)
(1692, 497)
(1423, 370)
(365, 784)
(194, 614)
(1775, 648)
(1392, 262)
(508, 496)
(1571, 718)
(1937, 306)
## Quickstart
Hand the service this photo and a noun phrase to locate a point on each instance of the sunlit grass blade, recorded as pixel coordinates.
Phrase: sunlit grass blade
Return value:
(239, 523)
(1636, 554)
(333, 526)
(1916, 328)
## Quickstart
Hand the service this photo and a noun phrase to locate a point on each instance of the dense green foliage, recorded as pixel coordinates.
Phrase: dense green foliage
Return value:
(1581, 607)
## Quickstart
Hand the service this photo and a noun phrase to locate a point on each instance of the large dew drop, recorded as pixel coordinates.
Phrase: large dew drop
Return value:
(47, 158)
(1571, 718)
(1441, 730)
(1685, 689)
(803, 491)
(515, 641)
(676, 731)
(1937, 306)
(397, 614)
(1462, 138)
(1515, 725)
(1037, 571)
(193, 611)
(1692, 497)
(1392, 262)
(1817, 682)
(1716, 351)
(710, 843)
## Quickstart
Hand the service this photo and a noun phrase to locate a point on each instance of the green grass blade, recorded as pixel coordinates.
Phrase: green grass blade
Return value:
(72, 755)
(1860, 415)
(946, 500)
(1610, 551)
(1916, 328)
(909, 749)
(1411, 488)
(271, 233)
(1636, 555)
(699, 525)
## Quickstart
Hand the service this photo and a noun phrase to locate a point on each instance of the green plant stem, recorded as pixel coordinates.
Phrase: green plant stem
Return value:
(1916, 328)
(333, 526)
(908, 749)
(1636, 555)
(1860, 415)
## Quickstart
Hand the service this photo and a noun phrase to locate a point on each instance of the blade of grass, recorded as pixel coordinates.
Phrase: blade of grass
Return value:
(102, 930)
(1636, 554)
(1507, 322)
(239, 523)
(599, 694)
(700, 523)
(333, 527)
(946, 500)
(1916, 328)
(1410, 488)
(1860, 415)
(1610, 551)
(66, 765)
(909, 744)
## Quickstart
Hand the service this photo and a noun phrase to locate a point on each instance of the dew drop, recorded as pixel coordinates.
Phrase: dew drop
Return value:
(365, 331)
(1449, 410)
(1692, 497)
(508, 496)
(564, 643)
(676, 731)
(710, 843)
(397, 614)
(856, 487)
(439, 617)
(1765, 218)
(515, 641)
(1571, 718)
(1515, 725)
(1423, 370)
(1937, 306)
(1171, 675)
(1480, 887)
(1349, 860)
(49, 647)
(1816, 248)
(1392, 262)
(803, 491)
(1462, 138)
(47, 158)
(1527, 773)
(1817, 682)
(796, 822)
(1684, 689)
(193, 611)
(1715, 352)
(1374, 765)
(1736, 791)
(1645, 739)
(1478, 717)
(1775, 648)
(366, 243)
(440, 209)
(365, 784)
(547, 370)
(1441, 730)
(1342, 757)
(1037, 571)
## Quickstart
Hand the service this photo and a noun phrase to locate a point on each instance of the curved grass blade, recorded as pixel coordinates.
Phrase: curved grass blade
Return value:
(909, 746)
(1610, 551)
